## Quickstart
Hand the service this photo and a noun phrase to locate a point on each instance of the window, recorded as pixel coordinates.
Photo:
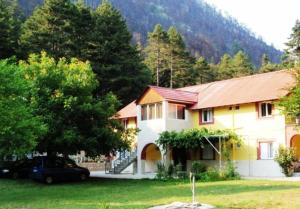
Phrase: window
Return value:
(151, 111)
(207, 116)
(144, 112)
(265, 109)
(208, 152)
(125, 121)
(176, 111)
(266, 150)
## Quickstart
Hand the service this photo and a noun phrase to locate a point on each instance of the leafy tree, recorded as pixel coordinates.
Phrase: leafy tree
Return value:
(19, 128)
(203, 73)
(10, 23)
(156, 52)
(294, 42)
(51, 28)
(62, 93)
(115, 61)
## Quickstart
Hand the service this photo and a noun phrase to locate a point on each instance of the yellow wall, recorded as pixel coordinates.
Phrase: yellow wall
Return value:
(150, 97)
(246, 123)
(153, 153)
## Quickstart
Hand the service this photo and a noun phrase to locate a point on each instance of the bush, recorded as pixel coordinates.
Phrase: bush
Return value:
(212, 174)
(198, 167)
(230, 172)
(163, 172)
(285, 158)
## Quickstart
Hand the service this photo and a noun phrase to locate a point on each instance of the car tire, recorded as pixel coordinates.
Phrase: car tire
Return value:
(83, 177)
(15, 175)
(49, 180)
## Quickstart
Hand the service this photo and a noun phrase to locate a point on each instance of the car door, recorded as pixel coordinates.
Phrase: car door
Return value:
(71, 169)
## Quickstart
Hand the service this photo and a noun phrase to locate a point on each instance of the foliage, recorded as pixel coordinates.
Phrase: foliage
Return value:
(203, 72)
(207, 32)
(198, 167)
(51, 28)
(10, 23)
(60, 27)
(115, 61)
(293, 50)
(19, 127)
(290, 104)
(229, 172)
(267, 65)
(62, 95)
(285, 158)
(212, 174)
(193, 138)
(165, 172)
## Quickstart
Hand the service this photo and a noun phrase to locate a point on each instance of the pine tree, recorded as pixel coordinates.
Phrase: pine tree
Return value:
(179, 60)
(156, 52)
(10, 23)
(267, 65)
(241, 65)
(224, 67)
(294, 42)
(51, 28)
(203, 73)
(116, 62)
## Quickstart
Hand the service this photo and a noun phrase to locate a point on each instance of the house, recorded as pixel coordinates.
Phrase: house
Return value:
(246, 105)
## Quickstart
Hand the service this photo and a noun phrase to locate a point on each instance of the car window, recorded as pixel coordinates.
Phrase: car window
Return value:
(70, 163)
(55, 163)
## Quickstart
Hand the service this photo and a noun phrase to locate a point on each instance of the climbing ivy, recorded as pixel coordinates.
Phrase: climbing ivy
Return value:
(193, 138)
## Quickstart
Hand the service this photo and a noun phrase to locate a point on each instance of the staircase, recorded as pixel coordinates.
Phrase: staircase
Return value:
(124, 160)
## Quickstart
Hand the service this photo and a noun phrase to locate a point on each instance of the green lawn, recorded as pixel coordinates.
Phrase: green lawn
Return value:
(130, 194)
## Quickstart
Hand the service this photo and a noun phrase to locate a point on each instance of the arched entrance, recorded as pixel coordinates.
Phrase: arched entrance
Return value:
(295, 142)
(150, 156)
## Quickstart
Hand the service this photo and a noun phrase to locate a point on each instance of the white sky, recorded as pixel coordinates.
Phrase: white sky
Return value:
(271, 19)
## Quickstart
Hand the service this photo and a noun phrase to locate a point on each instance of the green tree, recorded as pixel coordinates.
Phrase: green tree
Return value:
(117, 64)
(62, 93)
(51, 28)
(10, 23)
(178, 59)
(19, 128)
(224, 67)
(156, 53)
(267, 65)
(241, 65)
(294, 42)
(203, 73)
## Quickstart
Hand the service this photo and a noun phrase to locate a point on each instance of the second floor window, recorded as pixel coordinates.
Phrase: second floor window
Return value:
(207, 115)
(176, 111)
(151, 111)
(265, 109)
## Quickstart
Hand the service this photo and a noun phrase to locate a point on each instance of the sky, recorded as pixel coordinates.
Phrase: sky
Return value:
(271, 19)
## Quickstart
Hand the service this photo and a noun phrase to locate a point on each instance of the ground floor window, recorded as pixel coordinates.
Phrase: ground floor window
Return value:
(208, 152)
(266, 150)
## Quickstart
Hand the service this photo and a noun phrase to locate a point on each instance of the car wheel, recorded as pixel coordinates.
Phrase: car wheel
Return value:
(49, 180)
(15, 175)
(83, 177)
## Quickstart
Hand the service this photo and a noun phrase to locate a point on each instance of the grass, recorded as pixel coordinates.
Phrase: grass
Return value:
(138, 194)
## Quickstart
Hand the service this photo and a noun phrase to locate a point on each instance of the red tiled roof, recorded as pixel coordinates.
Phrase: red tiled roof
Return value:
(175, 95)
(128, 111)
(248, 89)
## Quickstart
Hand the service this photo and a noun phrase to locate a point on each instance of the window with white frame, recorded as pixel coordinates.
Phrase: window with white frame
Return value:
(176, 111)
(266, 150)
(151, 111)
(207, 115)
(125, 122)
(265, 109)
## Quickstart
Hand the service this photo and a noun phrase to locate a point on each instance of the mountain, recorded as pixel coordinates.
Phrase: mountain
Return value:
(206, 31)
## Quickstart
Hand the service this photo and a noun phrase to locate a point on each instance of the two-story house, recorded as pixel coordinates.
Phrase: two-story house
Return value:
(246, 105)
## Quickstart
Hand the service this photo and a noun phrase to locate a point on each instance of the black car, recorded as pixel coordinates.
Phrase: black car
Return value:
(21, 168)
(54, 169)
(5, 167)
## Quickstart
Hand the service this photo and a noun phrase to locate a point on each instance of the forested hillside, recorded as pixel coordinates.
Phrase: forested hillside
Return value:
(205, 30)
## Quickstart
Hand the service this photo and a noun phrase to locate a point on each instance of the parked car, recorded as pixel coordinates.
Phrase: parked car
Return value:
(54, 169)
(21, 168)
(5, 167)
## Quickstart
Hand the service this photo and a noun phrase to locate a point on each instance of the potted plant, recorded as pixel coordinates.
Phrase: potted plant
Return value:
(286, 158)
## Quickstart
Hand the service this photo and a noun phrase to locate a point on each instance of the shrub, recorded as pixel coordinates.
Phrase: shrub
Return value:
(170, 171)
(212, 174)
(285, 158)
(161, 171)
(198, 167)
(229, 172)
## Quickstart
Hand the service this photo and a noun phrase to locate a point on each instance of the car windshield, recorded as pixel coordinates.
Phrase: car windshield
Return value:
(70, 163)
